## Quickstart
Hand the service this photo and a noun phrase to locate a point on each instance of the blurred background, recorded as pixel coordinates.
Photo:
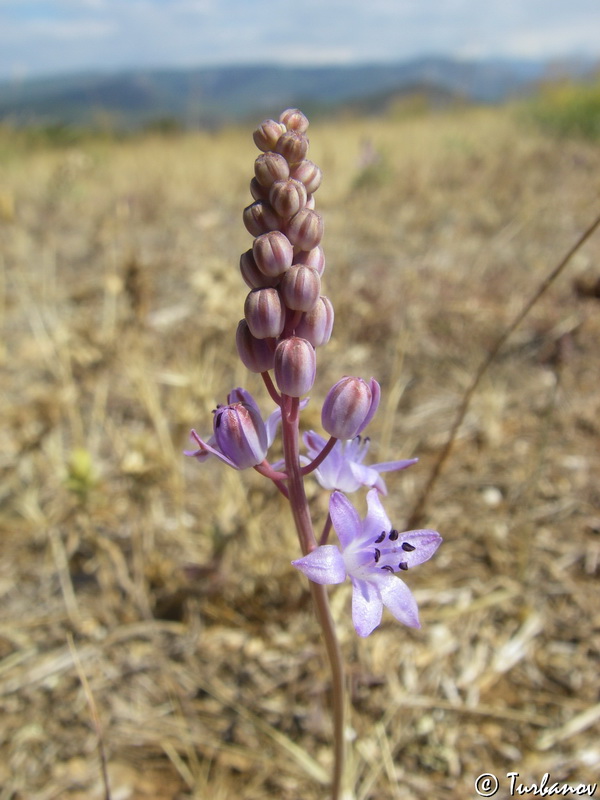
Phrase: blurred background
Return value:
(200, 63)
(148, 602)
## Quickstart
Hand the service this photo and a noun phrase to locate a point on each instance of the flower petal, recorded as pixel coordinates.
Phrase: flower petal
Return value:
(367, 606)
(271, 425)
(398, 598)
(425, 543)
(392, 466)
(345, 519)
(323, 565)
(314, 443)
(206, 449)
(376, 520)
(364, 476)
(241, 395)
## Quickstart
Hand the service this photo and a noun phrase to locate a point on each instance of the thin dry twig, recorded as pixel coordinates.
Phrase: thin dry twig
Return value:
(94, 713)
(419, 507)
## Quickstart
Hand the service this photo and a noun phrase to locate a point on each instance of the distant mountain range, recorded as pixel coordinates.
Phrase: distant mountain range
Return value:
(212, 96)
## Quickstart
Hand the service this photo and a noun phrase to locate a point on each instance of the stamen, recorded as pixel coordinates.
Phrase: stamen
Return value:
(380, 538)
(393, 535)
(403, 566)
(407, 547)
(218, 420)
(377, 555)
(389, 569)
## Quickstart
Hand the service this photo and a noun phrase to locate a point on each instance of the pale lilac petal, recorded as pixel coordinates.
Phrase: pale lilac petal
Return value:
(241, 395)
(271, 425)
(380, 486)
(314, 443)
(356, 449)
(367, 606)
(329, 472)
(345, 519)
(345, 480)
(376, 520)
(392, 466)
(364, 476)
(425, 543)
(397, 598)
(206, 449)
(323, 565)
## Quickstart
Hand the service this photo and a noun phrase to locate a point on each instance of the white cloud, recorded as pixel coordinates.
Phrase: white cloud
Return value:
(109, 34)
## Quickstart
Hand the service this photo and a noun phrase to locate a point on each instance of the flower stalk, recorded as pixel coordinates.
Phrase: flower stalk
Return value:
(286, 319)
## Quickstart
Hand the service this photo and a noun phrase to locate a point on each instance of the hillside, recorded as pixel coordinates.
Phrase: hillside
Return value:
(217, 95)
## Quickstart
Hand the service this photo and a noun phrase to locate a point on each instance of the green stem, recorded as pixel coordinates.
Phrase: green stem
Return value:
(308, 542)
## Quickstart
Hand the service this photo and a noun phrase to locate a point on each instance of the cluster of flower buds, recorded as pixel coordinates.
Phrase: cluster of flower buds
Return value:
(285, 315)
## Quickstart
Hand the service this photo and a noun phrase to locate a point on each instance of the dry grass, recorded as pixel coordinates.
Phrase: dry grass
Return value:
(120, 296)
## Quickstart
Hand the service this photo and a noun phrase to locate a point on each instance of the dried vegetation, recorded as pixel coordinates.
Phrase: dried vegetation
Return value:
(165, 586)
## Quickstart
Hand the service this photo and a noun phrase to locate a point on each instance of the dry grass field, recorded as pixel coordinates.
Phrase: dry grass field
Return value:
(159, 590)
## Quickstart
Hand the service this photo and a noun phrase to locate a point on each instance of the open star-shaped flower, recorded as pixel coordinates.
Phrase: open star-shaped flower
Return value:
(343, 468)
(372, 551)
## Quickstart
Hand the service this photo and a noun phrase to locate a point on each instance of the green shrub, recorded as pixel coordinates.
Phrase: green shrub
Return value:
(568, 109)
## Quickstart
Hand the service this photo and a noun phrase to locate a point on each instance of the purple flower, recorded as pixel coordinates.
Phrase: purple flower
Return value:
(343, 468)
(240, 438)
(371, 552)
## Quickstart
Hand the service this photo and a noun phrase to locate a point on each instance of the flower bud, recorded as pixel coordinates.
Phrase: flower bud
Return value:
(257, 191)
(312, 258)
(300, 287)
(349, 406)
(270, 167)
(252, 275)
(294, 120)
(259, 218)
(310, 202)
(295, 366)
(305, 229)
(293, 146)
(240, 434)
(287, 197)
(316, 325)
(265, 313)
(267, 134)
(273, 253)
(257, 355)
(308, 173)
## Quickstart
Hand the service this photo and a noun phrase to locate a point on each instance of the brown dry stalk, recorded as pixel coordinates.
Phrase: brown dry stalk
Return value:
(419, 507)
(94, 713)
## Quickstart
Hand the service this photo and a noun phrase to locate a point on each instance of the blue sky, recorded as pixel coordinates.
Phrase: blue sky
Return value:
(40, 37)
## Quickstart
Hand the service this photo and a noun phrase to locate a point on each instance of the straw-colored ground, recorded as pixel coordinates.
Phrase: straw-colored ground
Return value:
(161, 589)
